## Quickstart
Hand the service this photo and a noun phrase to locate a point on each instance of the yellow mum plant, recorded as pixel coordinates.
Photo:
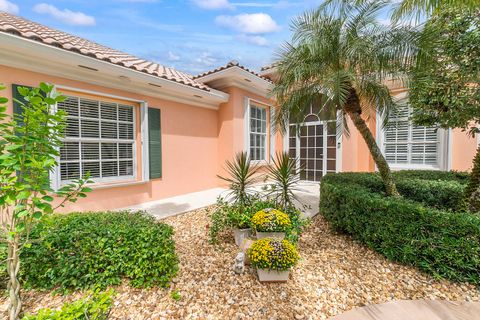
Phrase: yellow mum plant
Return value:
(273, 254)
(271, 220)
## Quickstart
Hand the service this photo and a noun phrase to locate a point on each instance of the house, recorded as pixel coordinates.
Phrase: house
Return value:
(147, 132)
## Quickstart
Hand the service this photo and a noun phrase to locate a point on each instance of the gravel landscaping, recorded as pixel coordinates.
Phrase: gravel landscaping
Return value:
(335, 274)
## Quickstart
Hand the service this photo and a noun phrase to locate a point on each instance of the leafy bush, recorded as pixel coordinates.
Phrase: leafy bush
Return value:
(458, 176)
(445, 195)
(445, 244)
(273, 254)
(97, 249)
(95, 306)
(271, 220)
(442, 190)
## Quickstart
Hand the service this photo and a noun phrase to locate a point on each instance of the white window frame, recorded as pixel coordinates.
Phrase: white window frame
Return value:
(269, 134)
(55, 175)
(442, 145)
(339, 140)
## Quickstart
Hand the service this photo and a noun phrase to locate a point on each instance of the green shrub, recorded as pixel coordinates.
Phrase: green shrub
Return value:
(445, 195)
(458, 176)
(437, 189)
(445, 244)
(95, 306)
(97, 249)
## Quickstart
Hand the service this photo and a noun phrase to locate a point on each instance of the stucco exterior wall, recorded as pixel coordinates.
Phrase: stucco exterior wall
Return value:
(189, 146)
(355, 153)
(231, 126)
(463, 150)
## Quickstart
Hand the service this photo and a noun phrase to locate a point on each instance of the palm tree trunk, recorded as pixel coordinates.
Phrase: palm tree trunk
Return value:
(352, 107)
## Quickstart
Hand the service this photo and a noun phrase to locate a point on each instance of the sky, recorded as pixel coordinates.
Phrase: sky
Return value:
(189, 35)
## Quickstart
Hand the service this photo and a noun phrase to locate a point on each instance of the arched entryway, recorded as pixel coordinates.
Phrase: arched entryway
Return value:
(316, 142)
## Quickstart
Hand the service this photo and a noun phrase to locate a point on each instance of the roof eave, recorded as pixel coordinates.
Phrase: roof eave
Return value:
(39, 57)
(236, 76)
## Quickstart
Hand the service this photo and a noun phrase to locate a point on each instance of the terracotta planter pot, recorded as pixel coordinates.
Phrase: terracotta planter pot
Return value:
(276, 235)
(265, 275)
(241, 234)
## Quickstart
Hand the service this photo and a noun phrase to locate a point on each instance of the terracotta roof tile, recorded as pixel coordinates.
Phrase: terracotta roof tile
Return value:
(231, 64)
(34, 31)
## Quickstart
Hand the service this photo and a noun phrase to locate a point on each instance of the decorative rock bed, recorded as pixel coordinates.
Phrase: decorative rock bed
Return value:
(335, 274)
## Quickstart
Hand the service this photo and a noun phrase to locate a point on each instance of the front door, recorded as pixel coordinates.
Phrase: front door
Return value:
(314, 144)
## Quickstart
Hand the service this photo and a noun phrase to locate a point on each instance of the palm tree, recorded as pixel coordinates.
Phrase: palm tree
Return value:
(341, 56)
(417, 8)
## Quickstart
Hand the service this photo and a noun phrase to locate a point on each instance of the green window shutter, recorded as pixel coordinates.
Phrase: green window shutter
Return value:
(17, 107)
(155, 143)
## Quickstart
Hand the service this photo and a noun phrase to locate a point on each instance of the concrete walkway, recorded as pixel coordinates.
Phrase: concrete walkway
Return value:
(415, 310)
(307, 193)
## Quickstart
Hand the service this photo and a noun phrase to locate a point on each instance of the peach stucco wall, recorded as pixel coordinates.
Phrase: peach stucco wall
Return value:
(355, 153)
(231, 126)
(189, 146)
(463, 150)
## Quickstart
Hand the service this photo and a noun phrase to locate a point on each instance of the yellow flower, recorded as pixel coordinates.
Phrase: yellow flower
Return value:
(271, 220)
(273, 254)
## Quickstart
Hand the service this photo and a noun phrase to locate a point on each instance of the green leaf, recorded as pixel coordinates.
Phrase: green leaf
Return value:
(22, 195)
(47, 198)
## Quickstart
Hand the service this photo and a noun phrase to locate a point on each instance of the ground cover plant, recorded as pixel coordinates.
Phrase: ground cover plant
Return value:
(422, 228)
(97, 249)
(96, 306)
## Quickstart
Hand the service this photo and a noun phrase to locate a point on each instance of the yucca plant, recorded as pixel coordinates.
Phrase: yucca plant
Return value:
(242, 175)
(284, 176)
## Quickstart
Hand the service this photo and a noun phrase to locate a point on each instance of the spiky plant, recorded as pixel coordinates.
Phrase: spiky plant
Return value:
(342, 56)
(284, 176)
(242, 175)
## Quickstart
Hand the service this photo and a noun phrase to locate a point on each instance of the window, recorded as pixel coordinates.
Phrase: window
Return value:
(99, 138)
(258, 133)
(408, 145)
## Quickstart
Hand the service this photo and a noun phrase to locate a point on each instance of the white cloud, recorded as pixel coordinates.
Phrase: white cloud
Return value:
(206, 59)
(213, 4)
(248, 23)
(256, 40)
(171, 56)
(65, 15)
(9, 7)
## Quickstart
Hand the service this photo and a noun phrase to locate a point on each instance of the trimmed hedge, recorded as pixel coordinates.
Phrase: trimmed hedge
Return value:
(98, 249)
(445, 244)
(437, 189)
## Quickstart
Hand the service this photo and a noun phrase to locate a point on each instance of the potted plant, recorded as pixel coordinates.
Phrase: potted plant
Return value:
(271, 223)
(241, 226)
(273, 259)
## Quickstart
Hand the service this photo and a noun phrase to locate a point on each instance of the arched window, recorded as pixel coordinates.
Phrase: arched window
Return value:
(311, 118)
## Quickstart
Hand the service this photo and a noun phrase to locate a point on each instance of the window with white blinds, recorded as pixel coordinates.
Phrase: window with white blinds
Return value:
(99, 138)
(408, 144)
(258, 133)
